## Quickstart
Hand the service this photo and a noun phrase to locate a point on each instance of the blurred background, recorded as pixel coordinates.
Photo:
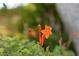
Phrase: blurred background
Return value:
(18, 19)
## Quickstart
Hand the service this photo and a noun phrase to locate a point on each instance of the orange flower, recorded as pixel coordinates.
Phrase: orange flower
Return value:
(32, 32)
(47, 31)
(42, 39)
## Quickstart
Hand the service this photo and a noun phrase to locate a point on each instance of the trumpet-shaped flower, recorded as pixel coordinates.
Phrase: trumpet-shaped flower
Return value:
(44, 33)
(47, 31)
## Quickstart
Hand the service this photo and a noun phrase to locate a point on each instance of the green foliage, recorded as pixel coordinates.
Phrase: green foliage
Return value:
(60, 51)
(12, 46)
(20, 47)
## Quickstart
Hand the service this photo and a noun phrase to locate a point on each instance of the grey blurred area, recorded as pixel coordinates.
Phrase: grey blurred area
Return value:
(69, 13)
